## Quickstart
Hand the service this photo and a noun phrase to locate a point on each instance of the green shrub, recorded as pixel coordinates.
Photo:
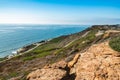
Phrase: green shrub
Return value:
(2, 78)
(43, 54)
(1, 59)
(58, 39)
(13, 74)
(115, 44)
(28, 58)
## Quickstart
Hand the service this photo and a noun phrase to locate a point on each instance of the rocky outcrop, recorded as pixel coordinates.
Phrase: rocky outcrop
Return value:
(108, 32)
(75, 59)
(50, 72)
(47, 74)
(99, 62)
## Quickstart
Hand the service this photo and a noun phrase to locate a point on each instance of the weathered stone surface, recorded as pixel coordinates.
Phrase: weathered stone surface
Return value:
(75, 59)
(49, 72)
(61, 64)
(108, 32)
(99, 62)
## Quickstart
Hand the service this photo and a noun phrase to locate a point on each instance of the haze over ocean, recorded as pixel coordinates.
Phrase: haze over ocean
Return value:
(13, 37)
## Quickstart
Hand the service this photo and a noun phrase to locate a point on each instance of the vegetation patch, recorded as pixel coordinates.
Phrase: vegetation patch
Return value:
(28, 58)
(44, 50)
(39, 54)
(83, 41)
(43, 54)
(13, 74)
(77, 45)
(58, 39)
(115, 44)
(1, 59)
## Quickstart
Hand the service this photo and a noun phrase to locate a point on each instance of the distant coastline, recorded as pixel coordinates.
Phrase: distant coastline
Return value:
(24, 50)
(27, 48)
(14, 37)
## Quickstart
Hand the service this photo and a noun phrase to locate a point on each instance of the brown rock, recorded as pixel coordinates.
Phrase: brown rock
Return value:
(99, 62)
(61, 64)
(71, 63)
(50, 72)
(47, 74)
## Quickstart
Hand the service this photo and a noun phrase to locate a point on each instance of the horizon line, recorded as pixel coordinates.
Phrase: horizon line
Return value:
(56, 24)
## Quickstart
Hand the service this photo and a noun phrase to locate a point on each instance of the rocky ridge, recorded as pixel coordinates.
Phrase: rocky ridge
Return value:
(99, 62)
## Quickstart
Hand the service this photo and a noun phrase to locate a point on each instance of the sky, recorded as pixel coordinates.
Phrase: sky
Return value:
(60, 12)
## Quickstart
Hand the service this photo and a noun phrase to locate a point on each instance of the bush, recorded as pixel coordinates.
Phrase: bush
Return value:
(1, 59)
(28, 58)
(115, 44)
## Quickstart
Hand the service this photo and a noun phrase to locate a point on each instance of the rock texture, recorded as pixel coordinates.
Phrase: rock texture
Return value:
(75, 59)
(108, 32)
(99, 62)
(49, 72)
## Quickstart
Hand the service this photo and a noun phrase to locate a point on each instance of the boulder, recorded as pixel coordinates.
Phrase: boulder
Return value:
(55, 71)
(71, 63)
(47, 74)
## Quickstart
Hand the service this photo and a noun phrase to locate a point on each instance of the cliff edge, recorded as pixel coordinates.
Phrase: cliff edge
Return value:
(99, 62)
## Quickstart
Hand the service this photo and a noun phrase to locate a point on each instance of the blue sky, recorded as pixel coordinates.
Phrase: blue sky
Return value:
(60, 11)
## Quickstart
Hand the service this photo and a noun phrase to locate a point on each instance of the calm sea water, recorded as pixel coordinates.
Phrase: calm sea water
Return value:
(13, 37)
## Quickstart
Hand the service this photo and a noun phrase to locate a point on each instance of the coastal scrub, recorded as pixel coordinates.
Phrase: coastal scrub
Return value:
(115, 43)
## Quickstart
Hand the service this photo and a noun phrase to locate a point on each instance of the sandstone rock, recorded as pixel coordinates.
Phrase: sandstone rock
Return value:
(50, 72)
(108, 32)
(47, 74)
(71, 63)
(61, 64)
(99, 62)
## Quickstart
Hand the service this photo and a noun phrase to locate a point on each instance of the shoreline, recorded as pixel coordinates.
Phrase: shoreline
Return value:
(28, 48)
(24, 50)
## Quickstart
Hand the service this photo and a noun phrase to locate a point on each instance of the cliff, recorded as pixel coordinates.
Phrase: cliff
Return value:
(92, 54)
(99, 62)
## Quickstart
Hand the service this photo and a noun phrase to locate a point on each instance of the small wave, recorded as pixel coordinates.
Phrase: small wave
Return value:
(14, 52)
(8, 50)
(6, 31)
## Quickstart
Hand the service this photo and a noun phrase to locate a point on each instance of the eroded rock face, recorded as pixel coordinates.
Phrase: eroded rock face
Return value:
(49, 72)
(75, 59)
(99, 62)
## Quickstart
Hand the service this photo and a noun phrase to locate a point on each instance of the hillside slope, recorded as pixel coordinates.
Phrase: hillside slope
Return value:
(99, 62)
(62, 57)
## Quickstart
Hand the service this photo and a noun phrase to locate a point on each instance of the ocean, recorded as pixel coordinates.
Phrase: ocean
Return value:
(13, 37)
